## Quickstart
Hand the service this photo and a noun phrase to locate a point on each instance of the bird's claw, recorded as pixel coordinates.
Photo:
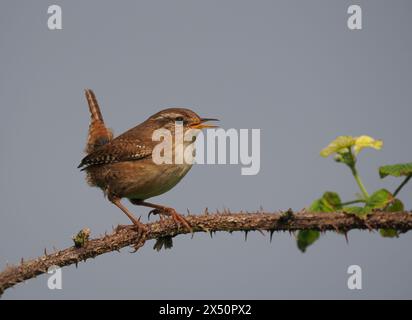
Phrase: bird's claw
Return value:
(155, 212)
(135, 227)
(177, 218)
(141, 230)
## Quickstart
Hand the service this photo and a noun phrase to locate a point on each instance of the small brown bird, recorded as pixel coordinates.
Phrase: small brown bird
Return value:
(123, 166)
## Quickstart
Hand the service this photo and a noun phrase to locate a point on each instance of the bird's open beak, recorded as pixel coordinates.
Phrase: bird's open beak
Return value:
(202, 124)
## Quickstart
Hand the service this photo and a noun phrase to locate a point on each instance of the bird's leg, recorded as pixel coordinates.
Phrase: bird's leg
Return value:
(136, 222)
(162, 210)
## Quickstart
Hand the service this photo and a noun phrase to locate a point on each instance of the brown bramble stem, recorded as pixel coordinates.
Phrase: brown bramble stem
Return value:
(227, 221)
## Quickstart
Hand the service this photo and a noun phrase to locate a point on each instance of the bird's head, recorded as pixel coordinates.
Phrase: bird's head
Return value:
(168, 118)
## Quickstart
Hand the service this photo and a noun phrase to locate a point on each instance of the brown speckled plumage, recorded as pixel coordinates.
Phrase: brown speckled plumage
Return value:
(123, 167)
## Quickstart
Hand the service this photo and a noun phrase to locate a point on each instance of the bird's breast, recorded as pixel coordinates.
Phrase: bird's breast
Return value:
(140, 179)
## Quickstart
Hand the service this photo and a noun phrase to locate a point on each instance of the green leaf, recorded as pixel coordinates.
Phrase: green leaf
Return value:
(306, 238)
(379, 200)
(396, 170)
(330, 202)
(357, 211)
(389, 233)
(395, 206)
(333, 199)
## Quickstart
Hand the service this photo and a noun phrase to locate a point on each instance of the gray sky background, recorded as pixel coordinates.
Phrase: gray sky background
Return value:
(290, 68)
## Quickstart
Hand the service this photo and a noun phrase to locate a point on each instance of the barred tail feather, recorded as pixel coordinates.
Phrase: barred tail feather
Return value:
(99, 134)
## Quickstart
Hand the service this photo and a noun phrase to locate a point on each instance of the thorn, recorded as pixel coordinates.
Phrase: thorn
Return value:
(346, 237)
(76, 264)
(271, 234)
(22, 261)
(203, 228)
(368, 226)
(206, 211)
(188, 212)
(246, 232)
(211, 234)
(261, 209)
(261, 232)
(45, 251)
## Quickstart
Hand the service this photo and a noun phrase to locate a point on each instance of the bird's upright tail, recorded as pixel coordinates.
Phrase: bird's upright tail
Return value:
(99, 134)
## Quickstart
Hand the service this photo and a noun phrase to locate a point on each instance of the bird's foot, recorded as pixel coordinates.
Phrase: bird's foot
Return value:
(141, 230)
(177, 218)
(136, 226)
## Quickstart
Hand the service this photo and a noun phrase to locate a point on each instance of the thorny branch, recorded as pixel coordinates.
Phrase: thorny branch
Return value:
(227, 221)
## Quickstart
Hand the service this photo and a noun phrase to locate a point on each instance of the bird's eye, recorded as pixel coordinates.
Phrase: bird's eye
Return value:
(179, 119)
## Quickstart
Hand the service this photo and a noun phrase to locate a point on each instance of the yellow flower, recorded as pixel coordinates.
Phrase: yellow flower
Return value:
(340, 144)
(343, 144)
(367, 142)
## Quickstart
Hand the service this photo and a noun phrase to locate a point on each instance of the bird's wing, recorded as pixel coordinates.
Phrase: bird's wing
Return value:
(117, 150)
